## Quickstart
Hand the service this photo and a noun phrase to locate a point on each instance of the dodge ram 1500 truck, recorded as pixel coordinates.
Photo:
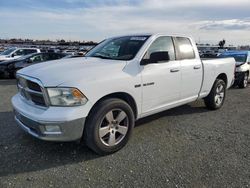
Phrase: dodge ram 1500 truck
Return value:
(97, 98)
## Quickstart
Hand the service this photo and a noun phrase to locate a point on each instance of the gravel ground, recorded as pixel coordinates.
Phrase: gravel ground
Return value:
(187, 146)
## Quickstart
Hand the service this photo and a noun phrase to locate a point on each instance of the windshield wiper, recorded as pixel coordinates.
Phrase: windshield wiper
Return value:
(102, 57)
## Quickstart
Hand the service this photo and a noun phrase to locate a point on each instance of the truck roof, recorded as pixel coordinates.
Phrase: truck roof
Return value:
(153, 34)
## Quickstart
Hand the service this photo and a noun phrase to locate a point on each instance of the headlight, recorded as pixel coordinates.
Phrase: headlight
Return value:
(66, 97)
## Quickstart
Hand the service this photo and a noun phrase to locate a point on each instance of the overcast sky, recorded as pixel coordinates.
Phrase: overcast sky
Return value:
(205, 20)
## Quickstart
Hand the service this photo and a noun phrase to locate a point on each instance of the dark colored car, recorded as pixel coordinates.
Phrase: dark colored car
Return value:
(209, 55)
(72, 56)
(9, 68)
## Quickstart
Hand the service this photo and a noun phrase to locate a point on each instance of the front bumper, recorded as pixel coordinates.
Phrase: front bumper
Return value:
(36, 121)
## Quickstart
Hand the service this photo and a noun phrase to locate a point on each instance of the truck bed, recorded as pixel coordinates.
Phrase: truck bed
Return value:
(212, 68)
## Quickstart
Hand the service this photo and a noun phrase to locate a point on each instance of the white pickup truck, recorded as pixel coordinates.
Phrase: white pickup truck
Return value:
(99, 97)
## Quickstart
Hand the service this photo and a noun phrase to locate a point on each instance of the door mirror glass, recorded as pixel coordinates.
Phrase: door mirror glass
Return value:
(156, 57)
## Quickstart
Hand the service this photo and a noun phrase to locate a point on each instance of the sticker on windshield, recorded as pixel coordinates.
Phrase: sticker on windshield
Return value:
(138, 38)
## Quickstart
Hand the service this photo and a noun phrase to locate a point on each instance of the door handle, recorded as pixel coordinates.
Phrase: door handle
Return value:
(197, 67)
(174, 70)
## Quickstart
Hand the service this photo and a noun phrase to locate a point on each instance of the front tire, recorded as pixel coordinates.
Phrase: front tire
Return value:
(217, 95)
(13, 74)
(244, 82)
(109, 126)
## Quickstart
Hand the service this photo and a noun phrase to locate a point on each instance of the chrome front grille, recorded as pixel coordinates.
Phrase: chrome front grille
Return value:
(31, 90)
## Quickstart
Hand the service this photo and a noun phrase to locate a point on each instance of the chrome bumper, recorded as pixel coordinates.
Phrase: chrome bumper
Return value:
(67, 131)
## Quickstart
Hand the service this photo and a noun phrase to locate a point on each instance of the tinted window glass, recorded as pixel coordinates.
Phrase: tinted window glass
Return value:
(185, 48)
(162, 44)
(54, 56)
(36, 59)
(46, 57)
(29, 51)
(19, 53)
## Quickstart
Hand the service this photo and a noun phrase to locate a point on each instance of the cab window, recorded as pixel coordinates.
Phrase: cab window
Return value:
(185, 48)
(162, 44)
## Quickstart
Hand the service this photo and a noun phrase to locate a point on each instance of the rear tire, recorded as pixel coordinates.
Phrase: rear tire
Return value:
(244, 82)
(217, 95)
(109, 126)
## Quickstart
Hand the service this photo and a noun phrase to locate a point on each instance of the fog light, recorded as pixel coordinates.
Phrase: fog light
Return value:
(52, 129)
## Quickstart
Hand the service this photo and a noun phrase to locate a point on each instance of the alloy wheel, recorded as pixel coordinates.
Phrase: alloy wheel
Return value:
(220, 94)
(113, 127)
(245, 80)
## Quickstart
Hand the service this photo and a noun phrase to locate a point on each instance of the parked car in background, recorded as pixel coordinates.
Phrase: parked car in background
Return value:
(242, 70)
(2, 49)
(9, 68)
(72, 56)
(99, 97)
(208, 55)
(69, 52)
(15, 53)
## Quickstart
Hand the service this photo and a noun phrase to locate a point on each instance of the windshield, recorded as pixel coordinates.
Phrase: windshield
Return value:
(122, 48)
(8, 51)
(238, 57)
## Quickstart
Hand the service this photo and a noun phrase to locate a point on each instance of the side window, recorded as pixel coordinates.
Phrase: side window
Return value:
(54, 56)
(185, 48)
(162, 44)
(45, 57)
(19, 52)
(36, 59)
(29, 51)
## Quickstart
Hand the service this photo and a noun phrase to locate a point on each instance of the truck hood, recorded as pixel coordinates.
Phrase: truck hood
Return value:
(73, 71)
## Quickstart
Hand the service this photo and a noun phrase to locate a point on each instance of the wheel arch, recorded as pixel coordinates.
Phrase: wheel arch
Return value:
(123, 96)
(223, 77)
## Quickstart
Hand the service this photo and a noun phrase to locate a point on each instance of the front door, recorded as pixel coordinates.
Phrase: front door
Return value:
(161, 81)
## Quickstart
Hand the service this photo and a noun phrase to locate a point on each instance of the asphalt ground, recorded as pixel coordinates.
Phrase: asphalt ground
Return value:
(188, 146)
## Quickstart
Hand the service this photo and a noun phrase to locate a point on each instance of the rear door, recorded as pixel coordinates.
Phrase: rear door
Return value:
(191, 68)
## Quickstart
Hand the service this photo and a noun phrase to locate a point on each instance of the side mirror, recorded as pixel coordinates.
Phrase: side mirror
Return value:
(156, 57)
(12, 55)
